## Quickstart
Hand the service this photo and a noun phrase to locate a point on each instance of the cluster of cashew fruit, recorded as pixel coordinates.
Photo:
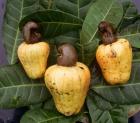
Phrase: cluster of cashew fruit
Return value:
(68, 80)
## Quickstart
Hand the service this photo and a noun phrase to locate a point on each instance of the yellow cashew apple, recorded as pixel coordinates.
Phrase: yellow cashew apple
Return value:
(114, 56)
(68, 81)
(33, 53)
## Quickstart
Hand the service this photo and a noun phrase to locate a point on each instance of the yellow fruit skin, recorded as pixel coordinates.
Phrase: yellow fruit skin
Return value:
(68, 86)
(115, 61)
(34, 57)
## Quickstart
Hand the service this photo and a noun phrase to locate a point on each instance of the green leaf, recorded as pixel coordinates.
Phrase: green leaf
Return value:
(36, 106)
(15, 11)
(136, 56)
(116, 115)
(47, 116)
(53, 23)
(71, 37)
(49, 105)
(126, 4)
(17, 90)
(109, 10)
(132, 33)
(77, 8)
(100, 102)
(120, 94)
(130, 14)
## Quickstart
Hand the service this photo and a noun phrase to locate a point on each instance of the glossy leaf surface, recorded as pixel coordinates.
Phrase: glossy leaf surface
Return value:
(47, 116)
(17, 90)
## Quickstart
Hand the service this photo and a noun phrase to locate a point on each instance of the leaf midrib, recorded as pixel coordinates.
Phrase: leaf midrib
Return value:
(62, 23)
(110, 116)
(49, 119)
(17, 34)
(116, 86)
(78, 13)
(24, 85)
(53, 118)
(102, 20)
(50, 3)
(129, 35)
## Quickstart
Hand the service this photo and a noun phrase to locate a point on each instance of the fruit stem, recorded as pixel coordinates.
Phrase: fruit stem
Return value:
(30, 33)
(107, 32)
(67, 55)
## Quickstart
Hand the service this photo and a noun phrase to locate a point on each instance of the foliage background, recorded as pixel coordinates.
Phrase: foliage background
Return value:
(17, 99)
